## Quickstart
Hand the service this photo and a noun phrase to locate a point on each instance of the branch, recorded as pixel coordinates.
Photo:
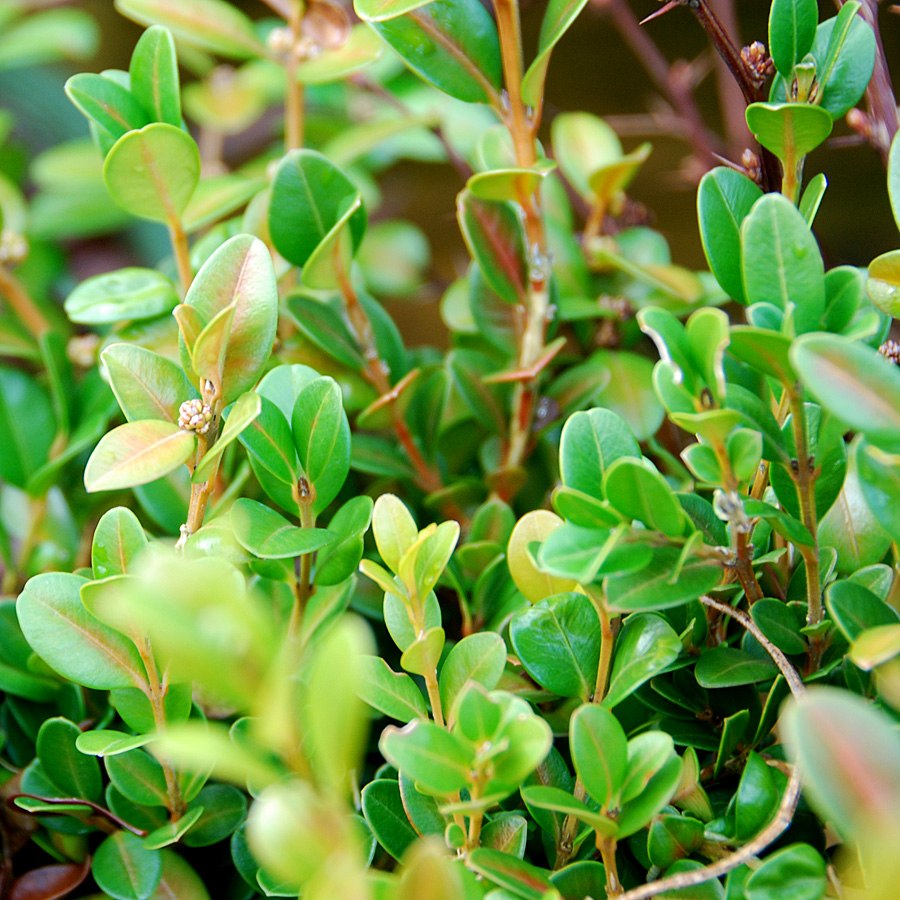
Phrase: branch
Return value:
(785, 812)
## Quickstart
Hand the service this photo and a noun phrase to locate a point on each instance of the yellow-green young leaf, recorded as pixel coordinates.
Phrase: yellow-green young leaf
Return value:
(583, 143)
(533, 527)
(153, 172)
(136, 453)
(118, 538)
(130, 293)
(789, 130)
(328, 265)
(70, 640)
(361, 50)
(211, 345)
(336, 721)
(154, 75)
(106, 103)
(240, 272)
(211, 25)
(217, 197)
(46, 36)
(394, 694)
(394, 529)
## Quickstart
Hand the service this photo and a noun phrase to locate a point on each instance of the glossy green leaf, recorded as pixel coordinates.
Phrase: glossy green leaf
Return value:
(779, 624)
(757, 798)
(653, 587)
(269, 440)
(639, 492)
(438, 761)
(268, 535)
(591, 441)
(558, 644)
(383, 808)
(392, 693)
(309, 196)
(328, 266)
(104, 101)
(600, 753)
(153, 172)
(138, 776)
(322, 437)
(477, 657)
(646, 645)
(174, 831)
(76, 774)
(812, 198)
(325, 326)
(136, 711)
(723, 667)
(154, 75)
(124, 869)
(147, 385)
(765, 350)
(557, 800)
(424, 653)
(211, 25)
(534, 584)
(629, 392)
(494, 234)
(724, 199)
(781, 262)
(637, 813)
(558, 17)
(129, 293)
(792, 30)
(239, 272)
(854, 383)
(795, 872)
(223, 807)
(844, 49)
(672, 838)
(136, 453)
(451, 43)
(587, 554)
(880, 485)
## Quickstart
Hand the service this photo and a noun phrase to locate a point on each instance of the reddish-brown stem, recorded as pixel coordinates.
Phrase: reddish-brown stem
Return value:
(293, 111)
(884, 120)
(77, 801)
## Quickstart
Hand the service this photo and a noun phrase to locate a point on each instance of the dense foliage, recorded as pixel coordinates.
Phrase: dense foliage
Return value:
(574, 609)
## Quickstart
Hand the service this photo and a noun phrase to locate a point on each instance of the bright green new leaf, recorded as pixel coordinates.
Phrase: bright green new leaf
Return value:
(646, 645)
(105, 102)
(792, 30)
(118, 538)
(154, 75)
(582, 144)
(153, 172)
(591, 441)
(124, 869)
(558, 16)
(130, 293)
(639, 492)
(268, 535)
(477, 657)
(534, 526)
(789, 130)
(392, 693)
(78, 775)
(558, 800)
(600, 753)
(439, 762)
(137, 453)
(795, 872)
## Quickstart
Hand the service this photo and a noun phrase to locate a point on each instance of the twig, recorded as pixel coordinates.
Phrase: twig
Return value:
(783, 816)
(884, 119)
(74, 801)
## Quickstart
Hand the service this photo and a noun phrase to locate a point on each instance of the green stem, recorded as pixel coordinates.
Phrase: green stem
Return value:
(304, 497)
(607, 848)
(434, 696)
(804, 476)
(792, 174)
(182, 252)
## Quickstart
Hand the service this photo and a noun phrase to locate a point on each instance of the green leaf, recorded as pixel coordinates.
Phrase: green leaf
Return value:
(240, 272)
(494, 234)
(591, 441)
(451, 43)
(789, 130)
(241, 413)
(796, 872)
(136, 711)
(223, 809)
(211, 25)
(310, 195)
(360, 50)
(70, 640)
(765, 350)
(153, 172)
(653, 588)
(154, 75)
(845, 51)
(269, 440)
(534, 526)
(812, 198)
(124, 869)
(640, 492)
(853, 382)
(792, 30)
(129, 293)
(324, 325)
(646, 645)
(723, 667)
(637, 813)
(383, 808)
(439, 762)
(136, 453)
(76, 774)
(322, 437)
(518, 877)
(599, 753)
(880, 484)
(558, 644)
(104, 101)
(477, 657)
(582, 144)
(558, 800)
(779, 624)
(216, 197)
(268, 535)
(587, 554)
(424, 653)
(147, 385)
(781, 262)
(558, 17)
(756, 799)
(394, 529)
(118, 538)
(392, 693)
(138, 776)
(110, 743)
(27, 426)
(46, 36)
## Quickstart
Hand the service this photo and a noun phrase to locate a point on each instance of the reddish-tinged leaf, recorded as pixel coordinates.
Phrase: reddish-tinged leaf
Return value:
(49, 882)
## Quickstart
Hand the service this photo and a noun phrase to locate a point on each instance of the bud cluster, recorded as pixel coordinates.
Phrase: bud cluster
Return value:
(195, 415)
(13, 247)
(758, 60)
